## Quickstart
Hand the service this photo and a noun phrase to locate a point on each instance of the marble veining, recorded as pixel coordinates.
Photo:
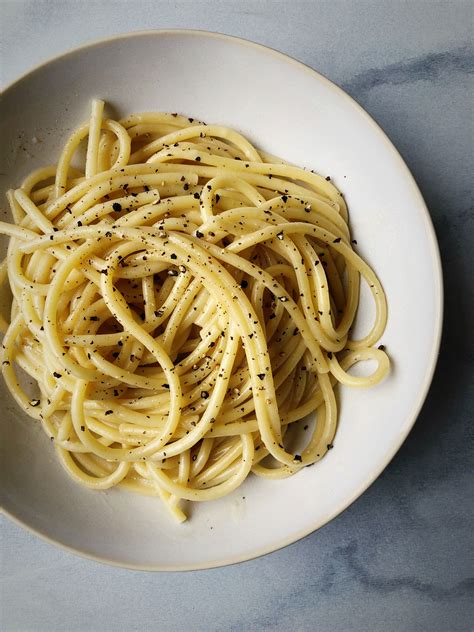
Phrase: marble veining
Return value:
(383, 585)
(429, 67)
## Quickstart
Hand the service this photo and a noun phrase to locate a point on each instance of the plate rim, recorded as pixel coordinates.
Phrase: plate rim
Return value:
(438, 295)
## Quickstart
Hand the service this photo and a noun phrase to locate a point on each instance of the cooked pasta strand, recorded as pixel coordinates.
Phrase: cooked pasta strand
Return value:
(180, 302)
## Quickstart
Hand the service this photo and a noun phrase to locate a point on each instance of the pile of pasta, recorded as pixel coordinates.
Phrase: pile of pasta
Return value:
(181, 301)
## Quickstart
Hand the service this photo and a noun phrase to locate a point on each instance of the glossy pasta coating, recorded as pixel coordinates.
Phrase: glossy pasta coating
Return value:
(181, 300)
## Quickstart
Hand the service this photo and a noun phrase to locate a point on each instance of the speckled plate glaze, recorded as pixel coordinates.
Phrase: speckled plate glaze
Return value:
(291, 111)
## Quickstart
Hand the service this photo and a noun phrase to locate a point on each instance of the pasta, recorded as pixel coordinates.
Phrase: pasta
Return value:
(182, 300)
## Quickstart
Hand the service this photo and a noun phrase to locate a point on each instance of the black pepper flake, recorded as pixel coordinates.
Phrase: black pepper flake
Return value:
(261, 375)
(330, 355)
(381, 347)
(79, 223)
(186, 186)
(244, 284)
(93, 318)
(196, 196)
(104, 271)
(165, 386)
(204, 394)
(354, 241)
(6, 363)
(35, 402)
(173, 256)
(199, 235)
(283, 299)
(83, 428)
(284, 198)
(280, 235)
(328, 178)
(56, 374)
(194, 457)
(198, 159)
(158, 313)
(337, 240)
(329, 446)
(218, 197)
(117, 207)
(297, 457)
(109, 412)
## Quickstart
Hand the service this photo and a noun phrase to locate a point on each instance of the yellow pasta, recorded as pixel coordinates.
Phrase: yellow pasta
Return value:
(182, 300)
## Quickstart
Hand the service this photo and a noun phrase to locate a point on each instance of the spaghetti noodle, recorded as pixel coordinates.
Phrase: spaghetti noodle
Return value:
(181, 301)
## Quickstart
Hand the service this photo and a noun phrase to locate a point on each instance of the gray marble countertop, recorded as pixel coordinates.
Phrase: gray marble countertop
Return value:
(399, 559)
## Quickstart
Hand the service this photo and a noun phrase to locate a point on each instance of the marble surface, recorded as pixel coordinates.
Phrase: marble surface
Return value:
(399, 559)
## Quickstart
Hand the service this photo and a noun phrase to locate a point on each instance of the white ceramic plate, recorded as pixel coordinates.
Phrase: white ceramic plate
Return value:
(291, 111)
